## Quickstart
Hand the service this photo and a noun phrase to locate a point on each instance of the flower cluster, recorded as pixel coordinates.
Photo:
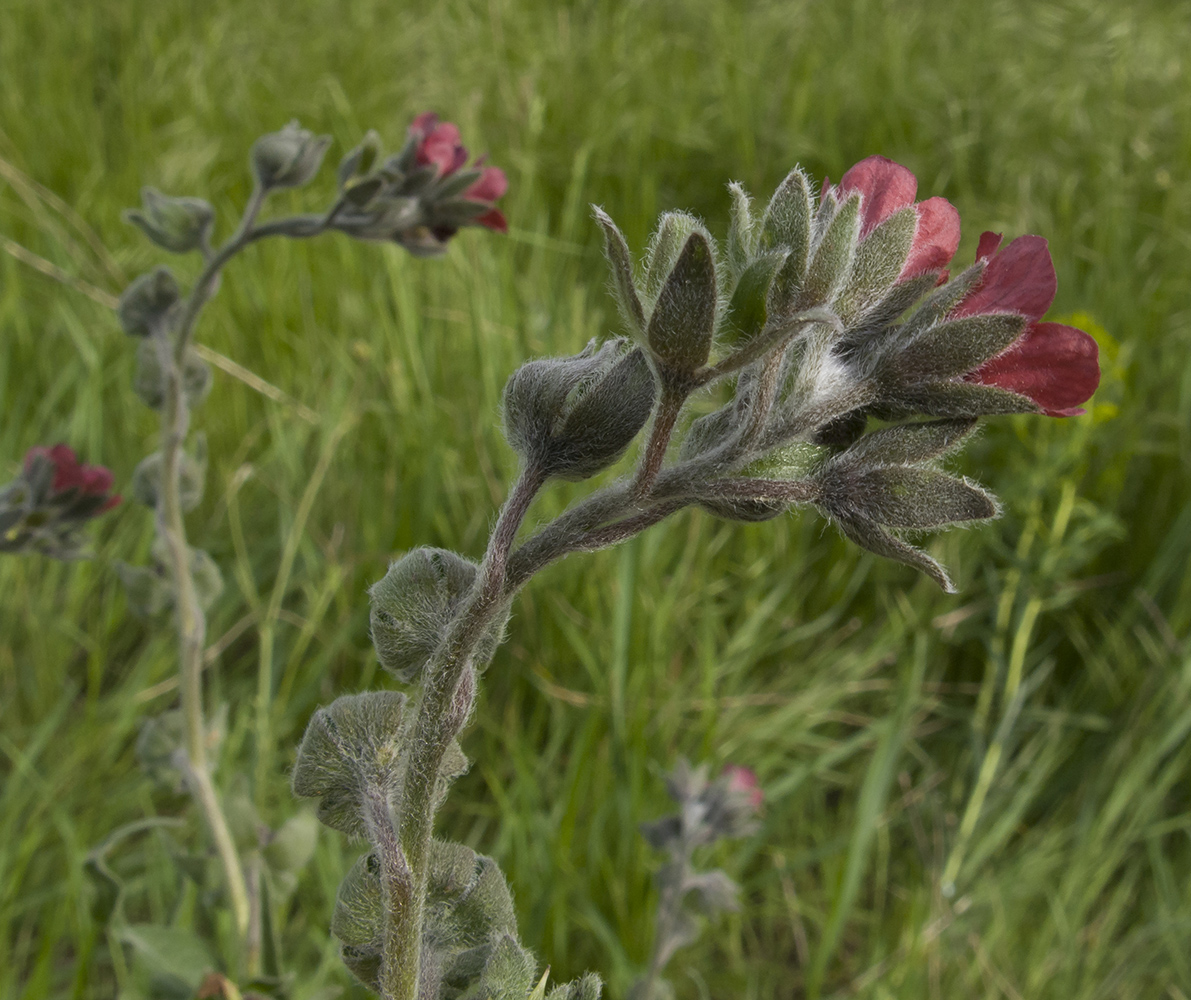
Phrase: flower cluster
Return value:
(421, 196)
(1054, 366)
(825, 311)
(55, 495)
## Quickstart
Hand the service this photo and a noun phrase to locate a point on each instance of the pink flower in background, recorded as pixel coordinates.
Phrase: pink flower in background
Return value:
(1054, 365)
(70, 474)
(743, 781)
(438, 145)
(886, 188)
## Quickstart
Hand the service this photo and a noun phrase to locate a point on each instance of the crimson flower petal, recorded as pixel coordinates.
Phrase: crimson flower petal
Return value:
(494, 219)
(886, 187)
(440, 148)
(743, 780)
(1019, 279)
(936, 238)
(990, 243)
(1056, 366)
(95, 480)
(491, 185)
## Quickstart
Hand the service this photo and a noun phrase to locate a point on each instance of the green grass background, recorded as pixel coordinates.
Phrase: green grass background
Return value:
(1026, 738)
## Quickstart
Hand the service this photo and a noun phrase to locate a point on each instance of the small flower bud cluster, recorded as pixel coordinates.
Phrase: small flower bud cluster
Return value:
(45, 508)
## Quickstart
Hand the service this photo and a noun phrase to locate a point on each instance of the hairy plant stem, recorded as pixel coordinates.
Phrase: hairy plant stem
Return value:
(171, 528)
(662, 429)
(438, 722)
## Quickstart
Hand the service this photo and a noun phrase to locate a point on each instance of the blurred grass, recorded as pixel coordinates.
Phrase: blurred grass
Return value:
(980, 795)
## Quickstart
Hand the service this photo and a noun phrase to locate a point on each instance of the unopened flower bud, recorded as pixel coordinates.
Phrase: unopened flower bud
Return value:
(572, 417)
(145, 305)
(289, 158)
(175, 224)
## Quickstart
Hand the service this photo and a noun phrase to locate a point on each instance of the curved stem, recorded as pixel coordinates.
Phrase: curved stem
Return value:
(171, 528)
(436, 725)
(192, 631)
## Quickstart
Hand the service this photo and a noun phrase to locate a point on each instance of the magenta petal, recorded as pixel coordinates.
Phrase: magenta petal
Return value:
(1019, 279)
(491, 185)
(936, 238)
(1056, 366)
(990, 243)
(886, 187)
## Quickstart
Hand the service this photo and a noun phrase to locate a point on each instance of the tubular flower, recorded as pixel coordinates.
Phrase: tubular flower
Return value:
(1055, 366)
(887, 188)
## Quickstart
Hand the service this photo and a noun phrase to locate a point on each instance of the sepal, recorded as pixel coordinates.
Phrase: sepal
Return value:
(871, 536)
(787, 222)
(952, 348)
(878, 263)
(624, 286)
(829, 267)
(683, 319)
(743, 233)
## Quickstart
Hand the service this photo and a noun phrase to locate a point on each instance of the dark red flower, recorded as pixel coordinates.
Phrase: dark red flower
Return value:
(886, 188)
(70, 474)
(1054, 365)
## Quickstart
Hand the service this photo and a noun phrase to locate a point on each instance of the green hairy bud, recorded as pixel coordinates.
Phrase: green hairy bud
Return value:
(573, 417)
(289, 158)
(175, 224)
(192, 474)
(149, 382)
